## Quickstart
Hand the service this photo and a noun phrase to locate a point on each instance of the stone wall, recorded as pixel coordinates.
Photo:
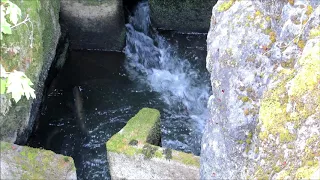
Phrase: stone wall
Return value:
(183, 16)
(30, 48)
(22, 162)
(94, 24)
(133, 152)
(265, 107)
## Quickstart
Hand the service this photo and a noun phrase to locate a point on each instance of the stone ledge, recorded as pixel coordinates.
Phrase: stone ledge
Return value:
(22, 162)
(95, 25)
(133, 152)
(183, 16)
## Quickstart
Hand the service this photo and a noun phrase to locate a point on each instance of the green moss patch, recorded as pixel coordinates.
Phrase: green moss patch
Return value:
(141, 135)
(186, 158)
(35, 163)
(149, 151)
(142, 128)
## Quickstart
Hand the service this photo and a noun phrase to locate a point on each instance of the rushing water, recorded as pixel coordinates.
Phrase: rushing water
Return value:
(96, 93)
(183, 87)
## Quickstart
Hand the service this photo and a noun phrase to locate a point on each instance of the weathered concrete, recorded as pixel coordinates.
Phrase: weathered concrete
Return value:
(263, 57)
(30, 48)
(131, 154)
(21, 162)
(183, 16)
(94, 24)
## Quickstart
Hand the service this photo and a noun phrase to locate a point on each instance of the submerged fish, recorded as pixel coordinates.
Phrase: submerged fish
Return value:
(78, 109)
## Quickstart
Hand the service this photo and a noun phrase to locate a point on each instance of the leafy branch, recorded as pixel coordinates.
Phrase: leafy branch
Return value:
(13, 11)
(16, 82)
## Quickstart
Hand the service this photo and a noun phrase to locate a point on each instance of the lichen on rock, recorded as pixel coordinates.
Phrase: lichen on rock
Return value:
(277, 76)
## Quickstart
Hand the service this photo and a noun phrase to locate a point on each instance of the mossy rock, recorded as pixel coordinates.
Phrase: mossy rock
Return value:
(24, 162)
(298, 86)
(30, 48)
(141, 135)
(144, 127)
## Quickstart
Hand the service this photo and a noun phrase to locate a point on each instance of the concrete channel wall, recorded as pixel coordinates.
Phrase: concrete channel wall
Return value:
(94, 24)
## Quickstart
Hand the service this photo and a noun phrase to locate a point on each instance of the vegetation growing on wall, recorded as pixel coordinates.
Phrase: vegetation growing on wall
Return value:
(14, 82)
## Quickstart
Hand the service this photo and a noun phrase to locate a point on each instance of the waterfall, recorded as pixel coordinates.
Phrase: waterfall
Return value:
(152, 61)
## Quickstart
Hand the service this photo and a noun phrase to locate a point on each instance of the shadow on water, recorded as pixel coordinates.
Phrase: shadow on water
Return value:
(90, 100)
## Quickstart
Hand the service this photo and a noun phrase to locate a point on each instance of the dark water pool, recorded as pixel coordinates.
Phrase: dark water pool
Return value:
(96, 93)
(90, 100)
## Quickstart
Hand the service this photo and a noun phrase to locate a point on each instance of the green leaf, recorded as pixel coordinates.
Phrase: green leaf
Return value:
(3, 83)
(6, 29)
(14, 11)
(18, 85)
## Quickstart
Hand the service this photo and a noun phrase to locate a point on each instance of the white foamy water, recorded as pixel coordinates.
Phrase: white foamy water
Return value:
(151, 60)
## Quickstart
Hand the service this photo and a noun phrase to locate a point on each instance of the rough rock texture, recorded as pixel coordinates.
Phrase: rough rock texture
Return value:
(263, 57)
(30, 48)
(184, 16)
(94, 24)
(133, 154)
(22, 162)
